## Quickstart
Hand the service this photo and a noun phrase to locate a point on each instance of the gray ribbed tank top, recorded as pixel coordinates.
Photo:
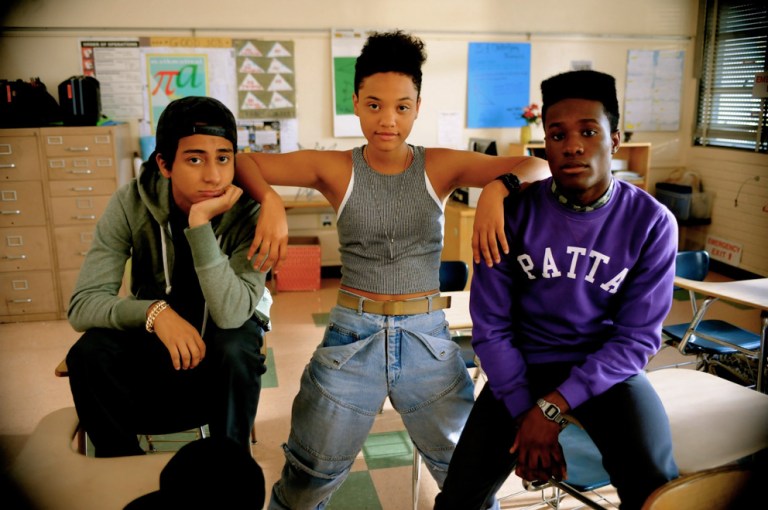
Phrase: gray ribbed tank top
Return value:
(383, 208)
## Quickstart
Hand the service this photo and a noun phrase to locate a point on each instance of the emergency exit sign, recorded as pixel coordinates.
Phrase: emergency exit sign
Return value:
(724, 250)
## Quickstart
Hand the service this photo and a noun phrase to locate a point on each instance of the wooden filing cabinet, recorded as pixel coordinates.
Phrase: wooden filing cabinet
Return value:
(54, 184)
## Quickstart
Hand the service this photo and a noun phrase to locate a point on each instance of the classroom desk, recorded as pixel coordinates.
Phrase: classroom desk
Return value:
(751, 293)
(306, 203)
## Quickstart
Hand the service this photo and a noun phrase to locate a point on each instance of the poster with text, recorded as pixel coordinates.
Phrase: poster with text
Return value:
(116, 63)
(266, 79)
(498, 84)
(172, 77)
(654, 90)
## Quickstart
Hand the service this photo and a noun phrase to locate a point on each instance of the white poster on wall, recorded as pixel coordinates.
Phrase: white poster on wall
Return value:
(654, 90)
(724, 250)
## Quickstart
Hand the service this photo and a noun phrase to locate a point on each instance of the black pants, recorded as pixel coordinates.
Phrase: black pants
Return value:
(627, 423)
(123, 384)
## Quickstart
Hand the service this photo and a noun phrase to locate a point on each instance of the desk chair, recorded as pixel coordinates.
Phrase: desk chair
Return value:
(709, 340)
(199, 429)
(193, 426)
(724, 488)
(714, 423)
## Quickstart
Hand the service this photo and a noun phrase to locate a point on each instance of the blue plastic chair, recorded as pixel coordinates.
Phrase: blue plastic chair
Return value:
(706, 338)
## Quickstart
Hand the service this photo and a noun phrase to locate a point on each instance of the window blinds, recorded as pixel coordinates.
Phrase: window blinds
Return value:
(735, 35)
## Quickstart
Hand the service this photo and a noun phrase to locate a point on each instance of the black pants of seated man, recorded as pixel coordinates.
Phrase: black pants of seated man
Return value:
(124, 384)
(627, 423)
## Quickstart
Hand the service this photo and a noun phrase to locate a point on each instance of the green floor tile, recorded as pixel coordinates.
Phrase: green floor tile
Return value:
(388, 449)
(269, 378)
(356, 493)
(321, 319)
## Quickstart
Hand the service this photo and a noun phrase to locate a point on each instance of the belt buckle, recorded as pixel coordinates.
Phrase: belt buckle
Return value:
(392, 308)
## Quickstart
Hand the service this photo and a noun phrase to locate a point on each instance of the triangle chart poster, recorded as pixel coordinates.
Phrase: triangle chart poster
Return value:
(265, 78)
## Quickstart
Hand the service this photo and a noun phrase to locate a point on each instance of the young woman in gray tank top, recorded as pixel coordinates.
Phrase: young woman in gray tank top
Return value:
(387, 337)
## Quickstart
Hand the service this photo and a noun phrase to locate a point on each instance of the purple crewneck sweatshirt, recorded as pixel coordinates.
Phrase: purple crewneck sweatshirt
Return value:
(589, 288)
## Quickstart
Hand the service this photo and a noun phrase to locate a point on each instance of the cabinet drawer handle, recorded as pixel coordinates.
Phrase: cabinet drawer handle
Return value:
(9, 165)
(15, 257)
(9, 213)
(83, 253)
(79, 149)
(85, 217)
(19, 301)
(83, 188)
(81, 172)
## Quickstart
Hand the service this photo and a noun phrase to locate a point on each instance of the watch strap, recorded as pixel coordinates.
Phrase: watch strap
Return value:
(510, 181)
(552, 412)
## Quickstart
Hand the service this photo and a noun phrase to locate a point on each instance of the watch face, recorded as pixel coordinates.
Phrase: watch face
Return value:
(551, 411)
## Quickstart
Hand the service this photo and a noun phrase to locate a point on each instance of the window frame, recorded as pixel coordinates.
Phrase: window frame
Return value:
(733, 46)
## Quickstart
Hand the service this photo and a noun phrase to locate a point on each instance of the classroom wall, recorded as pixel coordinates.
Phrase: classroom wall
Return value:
(41, 38)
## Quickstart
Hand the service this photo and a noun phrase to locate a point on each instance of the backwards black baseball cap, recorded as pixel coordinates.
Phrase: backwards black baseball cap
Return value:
(193, 115)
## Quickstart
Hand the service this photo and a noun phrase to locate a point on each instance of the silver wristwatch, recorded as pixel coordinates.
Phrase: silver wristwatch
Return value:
(552, 412)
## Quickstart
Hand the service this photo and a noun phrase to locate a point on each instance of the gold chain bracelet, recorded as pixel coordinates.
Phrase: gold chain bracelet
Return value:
(158, 307)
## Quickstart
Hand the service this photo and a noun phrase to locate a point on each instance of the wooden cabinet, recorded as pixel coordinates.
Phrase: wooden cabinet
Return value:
(631, 157)
(54, 184)
(457, 238)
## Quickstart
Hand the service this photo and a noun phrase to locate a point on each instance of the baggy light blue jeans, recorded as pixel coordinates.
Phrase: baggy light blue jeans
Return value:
(362, 359)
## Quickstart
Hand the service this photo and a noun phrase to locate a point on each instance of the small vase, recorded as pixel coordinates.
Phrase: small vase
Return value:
(525, 134)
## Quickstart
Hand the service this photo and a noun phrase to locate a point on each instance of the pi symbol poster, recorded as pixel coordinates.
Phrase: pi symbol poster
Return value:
(175, 76)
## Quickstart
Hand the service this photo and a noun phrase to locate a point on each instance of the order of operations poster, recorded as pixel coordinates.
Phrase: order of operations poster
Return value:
(654, 90)
(346, 45)
(498, 84)
(116, 63)
(266, 79)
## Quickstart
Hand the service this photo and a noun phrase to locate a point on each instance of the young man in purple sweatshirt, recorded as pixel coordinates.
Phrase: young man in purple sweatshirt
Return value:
(566, 319)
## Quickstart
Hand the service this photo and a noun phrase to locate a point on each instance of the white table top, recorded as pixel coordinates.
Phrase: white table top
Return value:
(752, 293)
(458, 314)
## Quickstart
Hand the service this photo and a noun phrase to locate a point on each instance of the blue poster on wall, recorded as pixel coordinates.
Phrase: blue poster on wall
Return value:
(498, 84)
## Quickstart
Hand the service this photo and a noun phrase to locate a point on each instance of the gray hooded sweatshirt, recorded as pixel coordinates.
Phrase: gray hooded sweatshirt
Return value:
(135, 229)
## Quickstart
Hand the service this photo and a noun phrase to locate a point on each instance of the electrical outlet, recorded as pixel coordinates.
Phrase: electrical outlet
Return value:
(326, 220)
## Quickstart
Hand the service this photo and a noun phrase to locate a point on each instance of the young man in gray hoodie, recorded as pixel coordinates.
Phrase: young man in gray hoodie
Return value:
(185, 346)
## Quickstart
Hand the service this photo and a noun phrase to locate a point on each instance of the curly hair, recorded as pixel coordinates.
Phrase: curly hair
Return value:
(391, 52)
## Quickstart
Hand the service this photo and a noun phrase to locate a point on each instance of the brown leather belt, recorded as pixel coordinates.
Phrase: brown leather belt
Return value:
(409, 307)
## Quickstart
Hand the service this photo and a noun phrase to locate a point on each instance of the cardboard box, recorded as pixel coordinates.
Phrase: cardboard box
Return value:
(301, 269)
